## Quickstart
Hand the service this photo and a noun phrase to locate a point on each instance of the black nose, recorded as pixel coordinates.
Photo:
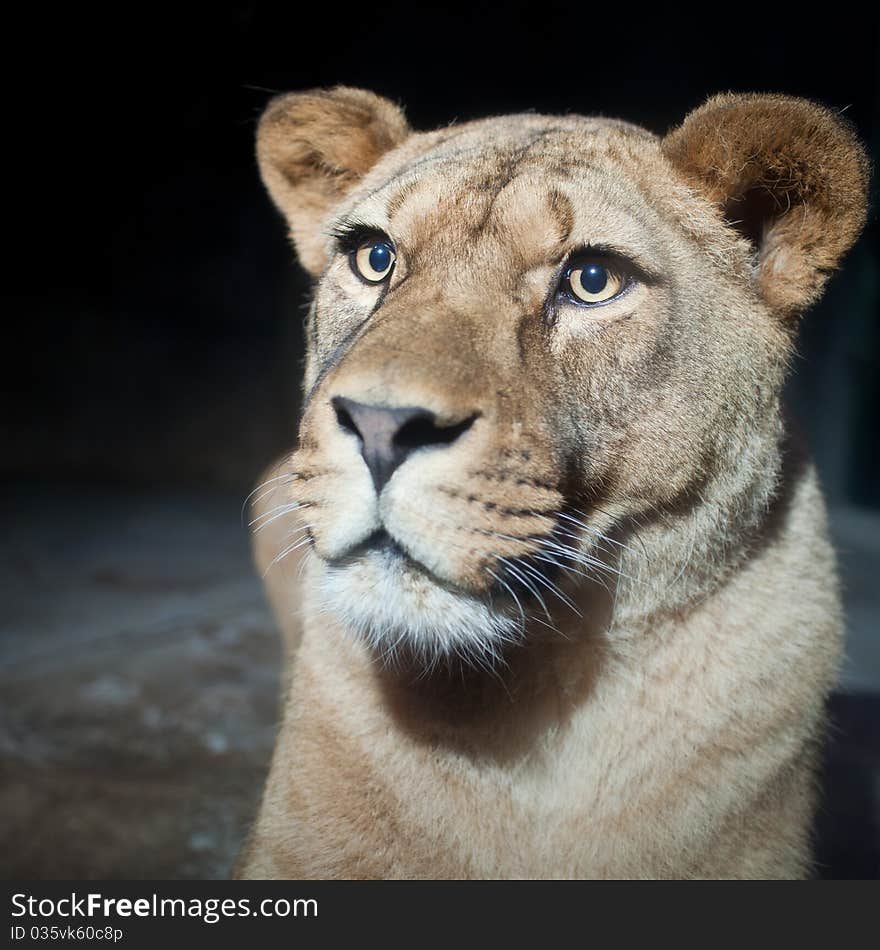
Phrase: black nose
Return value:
(389, 435)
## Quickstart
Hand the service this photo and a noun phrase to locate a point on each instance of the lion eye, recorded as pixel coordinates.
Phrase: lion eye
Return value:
(373, 260)
(592, 282)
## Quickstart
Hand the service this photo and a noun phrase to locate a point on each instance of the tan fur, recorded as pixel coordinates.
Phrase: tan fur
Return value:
(668, 725)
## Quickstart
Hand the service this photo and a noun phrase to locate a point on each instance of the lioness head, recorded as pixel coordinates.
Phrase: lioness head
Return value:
(533, 338)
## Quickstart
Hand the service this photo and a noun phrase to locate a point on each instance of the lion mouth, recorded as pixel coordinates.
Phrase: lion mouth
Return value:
(394, 554)
(381, 541)
(401, 609)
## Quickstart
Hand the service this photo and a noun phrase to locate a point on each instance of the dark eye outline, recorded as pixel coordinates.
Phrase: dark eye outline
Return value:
(353, 237)
(612, 264)
(371, 243)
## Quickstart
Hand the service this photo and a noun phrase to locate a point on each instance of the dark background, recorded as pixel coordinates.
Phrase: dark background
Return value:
(159, 330)
(153, 309)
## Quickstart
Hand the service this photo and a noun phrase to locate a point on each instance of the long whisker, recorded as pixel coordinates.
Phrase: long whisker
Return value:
(574, 534)
(282, 511)
(524, 580)
(550, 544)
(553, 588)
(635, 519)
(593, 530)
(290, 476)
(580, 557)
(512, 593)
(303, 561)
(568, 569)
(289, 550)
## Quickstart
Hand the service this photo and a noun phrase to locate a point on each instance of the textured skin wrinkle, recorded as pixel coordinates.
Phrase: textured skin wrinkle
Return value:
(608, 650)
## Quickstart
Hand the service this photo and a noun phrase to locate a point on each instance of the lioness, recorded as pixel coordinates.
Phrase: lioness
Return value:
(566, 598)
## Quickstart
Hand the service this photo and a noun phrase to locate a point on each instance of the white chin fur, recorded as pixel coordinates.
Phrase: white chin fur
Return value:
(400, 612)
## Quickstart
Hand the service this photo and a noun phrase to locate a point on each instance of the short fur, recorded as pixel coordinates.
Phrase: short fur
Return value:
(603, 643)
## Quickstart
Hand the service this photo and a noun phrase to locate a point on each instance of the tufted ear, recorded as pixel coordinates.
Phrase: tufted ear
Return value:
(789, 174)
(313, 147)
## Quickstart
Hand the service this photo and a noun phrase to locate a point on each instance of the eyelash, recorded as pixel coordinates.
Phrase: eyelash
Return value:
(349, 237)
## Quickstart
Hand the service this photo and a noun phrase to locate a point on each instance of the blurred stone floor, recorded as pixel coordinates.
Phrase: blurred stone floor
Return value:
(138, 684)
(139, 678)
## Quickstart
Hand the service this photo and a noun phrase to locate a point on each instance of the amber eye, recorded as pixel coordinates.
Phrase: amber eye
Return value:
(593, 282)
(374, 260)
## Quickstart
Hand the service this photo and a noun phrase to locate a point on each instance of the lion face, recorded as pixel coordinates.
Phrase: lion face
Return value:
(528, 334)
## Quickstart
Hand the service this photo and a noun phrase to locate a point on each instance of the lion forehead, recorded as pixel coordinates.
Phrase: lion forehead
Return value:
(519, 179)
(490, 144)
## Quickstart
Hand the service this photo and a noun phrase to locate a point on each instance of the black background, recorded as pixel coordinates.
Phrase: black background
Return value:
(155, 335)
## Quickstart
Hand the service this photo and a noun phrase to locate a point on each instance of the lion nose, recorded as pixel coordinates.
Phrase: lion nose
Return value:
(388, 436)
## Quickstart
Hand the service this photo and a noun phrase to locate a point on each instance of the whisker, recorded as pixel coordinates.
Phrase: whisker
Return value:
(593, 530)
(553, 588)
(512, 593)
(291, 476)
(637, 522)
(309, 554)
(563, 549)
(571, 570)
(549, 626)
(287, 510)
(601, 541)
(581, 557)
(289, 550)
(527, 584)
(525, 617)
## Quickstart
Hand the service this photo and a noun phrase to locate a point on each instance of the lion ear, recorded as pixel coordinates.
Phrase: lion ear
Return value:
(789, 174)
(313, 147)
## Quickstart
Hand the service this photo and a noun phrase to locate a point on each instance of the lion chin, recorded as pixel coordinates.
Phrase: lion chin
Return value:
(405, 615)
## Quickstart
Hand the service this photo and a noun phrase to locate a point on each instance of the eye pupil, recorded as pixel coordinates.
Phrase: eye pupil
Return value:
(374, 260)
(380, 258)
(594, 278)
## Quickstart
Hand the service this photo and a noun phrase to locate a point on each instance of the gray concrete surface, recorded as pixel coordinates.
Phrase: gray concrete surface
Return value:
(856, 534)
(139, 682)
(139, 677)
